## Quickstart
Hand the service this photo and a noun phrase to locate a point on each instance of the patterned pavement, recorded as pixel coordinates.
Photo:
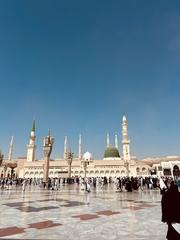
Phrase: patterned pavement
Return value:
(73, 214)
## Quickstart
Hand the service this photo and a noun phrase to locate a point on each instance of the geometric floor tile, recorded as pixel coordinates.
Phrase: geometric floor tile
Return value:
(72, 204)
(107, 213)
(44, 224)
(10, 231)
(85, 217)
(16, 204)
(133, 208)
(35, 209)
(145, 205)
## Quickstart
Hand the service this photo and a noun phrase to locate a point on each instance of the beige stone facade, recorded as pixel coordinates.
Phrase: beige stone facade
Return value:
(111, 165)
(96, 168)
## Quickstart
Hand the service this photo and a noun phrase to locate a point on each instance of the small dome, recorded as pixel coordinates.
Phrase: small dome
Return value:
(87, 156)
(111, 152)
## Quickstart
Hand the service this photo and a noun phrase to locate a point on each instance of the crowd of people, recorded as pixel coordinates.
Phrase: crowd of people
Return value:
(128, 184)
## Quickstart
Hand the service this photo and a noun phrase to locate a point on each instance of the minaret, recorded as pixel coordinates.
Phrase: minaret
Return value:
(107, 140)
(80, 147)
(65, 147)
(116, 141)
(10, 149)
(31, 147)
(125, 140)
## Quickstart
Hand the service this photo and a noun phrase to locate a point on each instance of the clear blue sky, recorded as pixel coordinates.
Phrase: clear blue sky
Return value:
(77, 66)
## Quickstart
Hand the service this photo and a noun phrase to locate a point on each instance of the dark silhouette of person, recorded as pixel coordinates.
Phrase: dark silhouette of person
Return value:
(171, 211)
(128, 185)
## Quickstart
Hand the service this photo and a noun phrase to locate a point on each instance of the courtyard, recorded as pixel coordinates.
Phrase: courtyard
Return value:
(70, 213)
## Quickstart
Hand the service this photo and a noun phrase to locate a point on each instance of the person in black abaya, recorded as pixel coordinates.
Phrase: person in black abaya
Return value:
(171, 211)
(128, 185)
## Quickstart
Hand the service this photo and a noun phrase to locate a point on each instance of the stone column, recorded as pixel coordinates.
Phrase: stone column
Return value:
(126, 163)
(5, 170)
(47, 149)
(69, 159)
(85, 163)
(85, 169)
(1, 158)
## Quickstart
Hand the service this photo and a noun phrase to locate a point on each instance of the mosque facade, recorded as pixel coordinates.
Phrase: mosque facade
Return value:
(111, 165)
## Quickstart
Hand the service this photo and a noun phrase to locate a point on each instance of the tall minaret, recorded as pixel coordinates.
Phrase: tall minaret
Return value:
(80, 147)
(107, 140)
(31, 147)
(65, 147)
(10, 149)
(116, 141)
(125, 140)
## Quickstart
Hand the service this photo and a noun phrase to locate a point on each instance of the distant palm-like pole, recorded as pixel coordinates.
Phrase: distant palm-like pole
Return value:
(47, 149)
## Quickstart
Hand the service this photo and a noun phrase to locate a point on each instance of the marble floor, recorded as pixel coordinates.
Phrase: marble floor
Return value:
(70, 214)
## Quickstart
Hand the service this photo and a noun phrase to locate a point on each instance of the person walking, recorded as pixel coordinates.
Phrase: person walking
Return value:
(24, 184)
(171, 211)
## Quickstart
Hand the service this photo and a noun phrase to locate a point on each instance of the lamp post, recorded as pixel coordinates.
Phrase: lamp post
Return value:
(47, 149)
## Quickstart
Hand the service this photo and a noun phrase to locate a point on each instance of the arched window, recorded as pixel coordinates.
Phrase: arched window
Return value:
(176, 168)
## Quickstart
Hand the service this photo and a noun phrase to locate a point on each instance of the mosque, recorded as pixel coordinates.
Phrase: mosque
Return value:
(112, 164)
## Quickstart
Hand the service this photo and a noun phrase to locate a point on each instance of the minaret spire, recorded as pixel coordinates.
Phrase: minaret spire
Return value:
(107, 140)
(11, 149)
(49, 132)
(80, 147)
(125, 140)
(34, 126)
(31, 147)
(116, 141)
(65, 147)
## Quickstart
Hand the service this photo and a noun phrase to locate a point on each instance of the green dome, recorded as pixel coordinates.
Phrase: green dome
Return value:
(111, 152)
